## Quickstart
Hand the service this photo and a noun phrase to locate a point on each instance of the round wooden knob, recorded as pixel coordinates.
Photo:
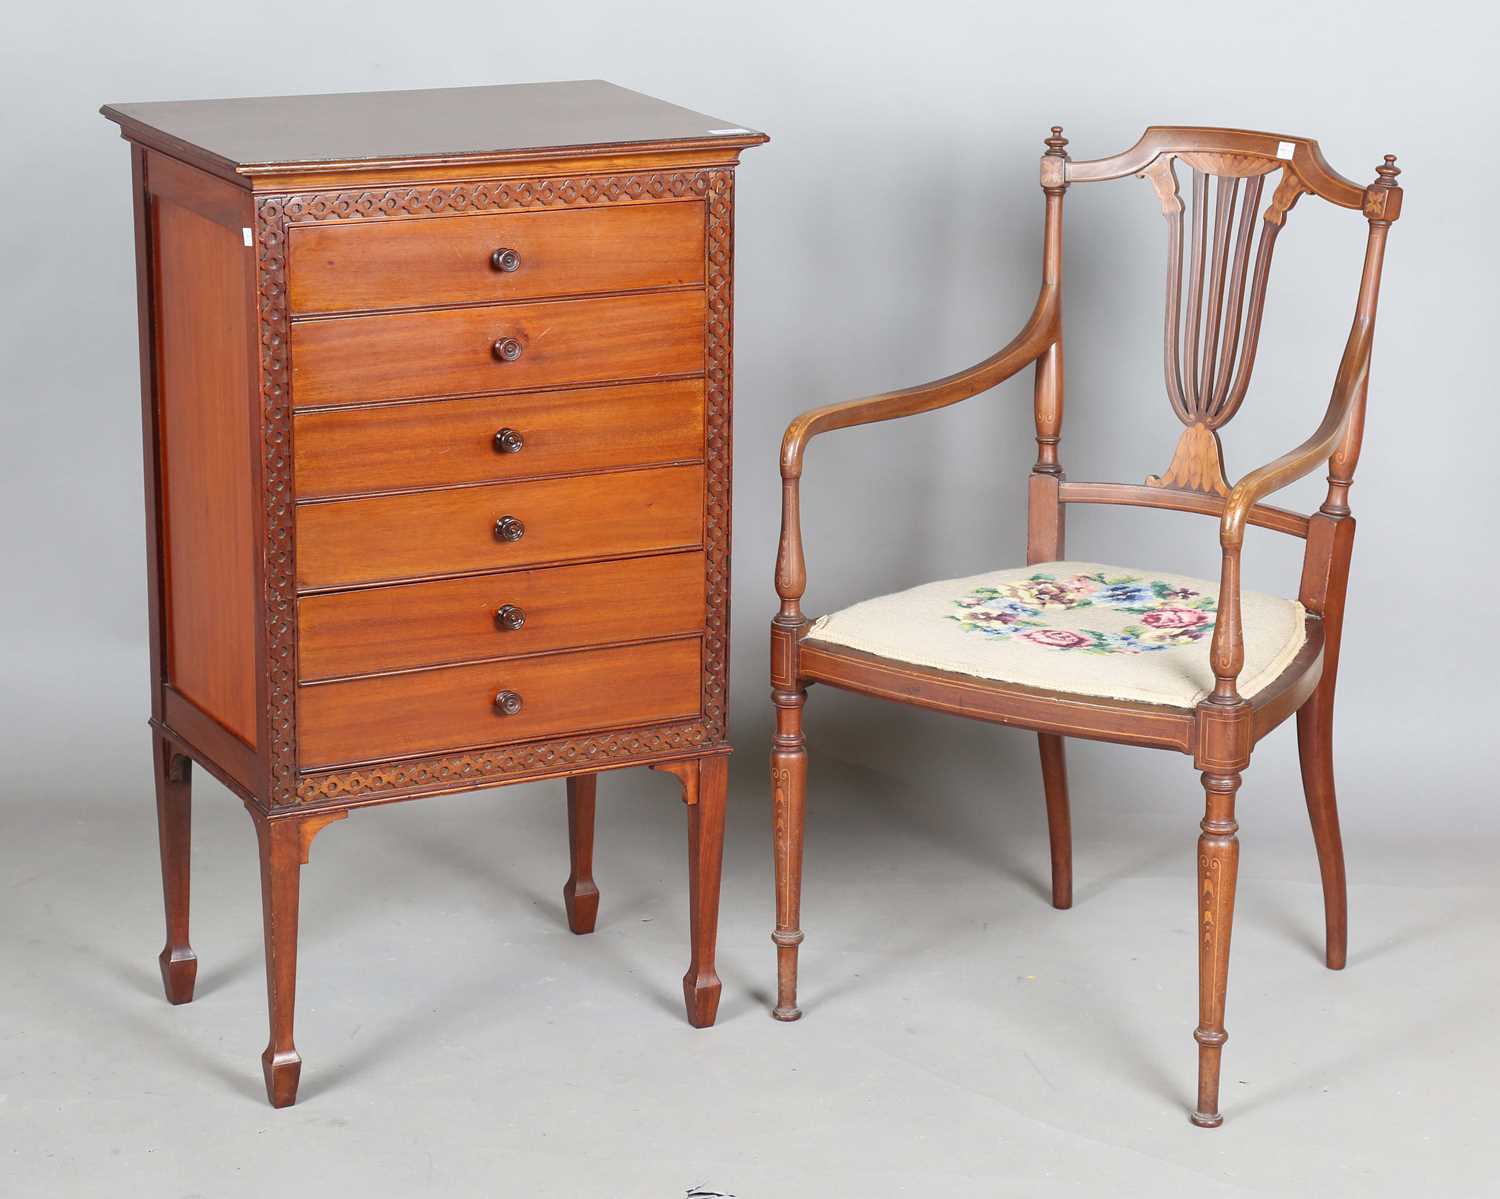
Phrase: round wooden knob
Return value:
(506, 349)
(505, 259)
(508, 703)
(508, 616)
(508, 528)
(508, 441)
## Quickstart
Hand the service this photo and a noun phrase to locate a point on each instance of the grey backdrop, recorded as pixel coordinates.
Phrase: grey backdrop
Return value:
(959, 1033)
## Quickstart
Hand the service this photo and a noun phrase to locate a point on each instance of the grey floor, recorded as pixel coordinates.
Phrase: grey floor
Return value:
(960, 1038)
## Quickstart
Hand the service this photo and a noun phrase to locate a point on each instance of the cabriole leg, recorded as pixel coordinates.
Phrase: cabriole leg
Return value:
(174, 812)
(1218, 868)
(580, 894)
(789, 797)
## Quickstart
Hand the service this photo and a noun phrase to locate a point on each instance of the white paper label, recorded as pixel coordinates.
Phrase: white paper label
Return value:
(1286, 150)
(249, 240)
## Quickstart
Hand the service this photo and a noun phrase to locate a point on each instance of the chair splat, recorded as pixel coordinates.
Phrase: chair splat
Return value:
(1211, 334)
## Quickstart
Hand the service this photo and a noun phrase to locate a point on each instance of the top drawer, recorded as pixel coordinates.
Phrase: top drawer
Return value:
(460, 259)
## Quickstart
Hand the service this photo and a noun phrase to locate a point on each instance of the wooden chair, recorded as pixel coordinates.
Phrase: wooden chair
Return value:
(1043, 647)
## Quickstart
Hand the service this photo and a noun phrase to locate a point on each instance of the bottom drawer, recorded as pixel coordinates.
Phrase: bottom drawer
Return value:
(427, 711)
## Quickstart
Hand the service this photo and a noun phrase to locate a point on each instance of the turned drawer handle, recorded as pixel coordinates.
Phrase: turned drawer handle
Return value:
(508, 441)
(505, 259)
(508, 703)
(508, 616)
(508, 528)
(506, 349)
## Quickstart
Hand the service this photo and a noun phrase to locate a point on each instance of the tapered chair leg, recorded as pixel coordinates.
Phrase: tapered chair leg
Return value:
(1059, 823)
(1218, 869)
(284, 845)
(174, 819)
(789, 798)
(1315, 747)
(580, 894)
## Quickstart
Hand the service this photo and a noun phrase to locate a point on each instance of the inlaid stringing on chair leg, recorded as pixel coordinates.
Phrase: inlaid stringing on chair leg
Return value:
(789, 794)
(580, 893)
(1218, 869)
(1059, 822)
(174, 811)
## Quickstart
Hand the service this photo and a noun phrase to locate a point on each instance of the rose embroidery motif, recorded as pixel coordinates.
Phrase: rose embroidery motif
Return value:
(1170, 616)
(1175, 618)
(1057, 638)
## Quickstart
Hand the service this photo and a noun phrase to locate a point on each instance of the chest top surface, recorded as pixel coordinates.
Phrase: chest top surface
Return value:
(273, 133)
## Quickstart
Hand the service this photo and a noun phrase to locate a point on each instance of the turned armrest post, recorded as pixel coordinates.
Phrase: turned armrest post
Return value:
(791, 566)
(1227, 652)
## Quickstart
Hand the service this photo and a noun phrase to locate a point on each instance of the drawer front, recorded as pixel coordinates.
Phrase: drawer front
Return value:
(346, 451)
(371, 265)
(458, 620)
(354, 359)
(410, 536)
(454, 707)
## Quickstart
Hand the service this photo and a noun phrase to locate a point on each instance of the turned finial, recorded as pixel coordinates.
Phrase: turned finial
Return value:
(1382, 202)
(1056, 143)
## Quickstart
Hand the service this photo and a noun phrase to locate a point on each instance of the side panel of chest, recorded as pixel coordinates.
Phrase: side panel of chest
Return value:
(198, 342)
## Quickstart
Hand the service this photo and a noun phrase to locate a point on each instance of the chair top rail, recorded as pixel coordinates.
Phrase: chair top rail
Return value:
(1237, 151)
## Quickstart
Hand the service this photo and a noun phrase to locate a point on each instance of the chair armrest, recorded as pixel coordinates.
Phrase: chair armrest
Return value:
(1227, 652)
(1354, 372)
(1039, 332)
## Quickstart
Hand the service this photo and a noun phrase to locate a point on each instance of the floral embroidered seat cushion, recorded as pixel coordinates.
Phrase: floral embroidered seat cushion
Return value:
(1073, 626)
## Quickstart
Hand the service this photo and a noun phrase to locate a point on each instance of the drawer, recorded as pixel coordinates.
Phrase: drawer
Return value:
(456, 620)
(454, 707)
(453, 531)
(405, 355)
(368, 265)
(345, 451)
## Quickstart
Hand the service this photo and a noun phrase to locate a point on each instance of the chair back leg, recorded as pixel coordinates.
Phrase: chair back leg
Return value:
(1059, 823)
(1315, 747)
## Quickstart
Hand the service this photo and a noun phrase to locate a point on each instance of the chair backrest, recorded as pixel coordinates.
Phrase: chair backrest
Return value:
(1218, 265)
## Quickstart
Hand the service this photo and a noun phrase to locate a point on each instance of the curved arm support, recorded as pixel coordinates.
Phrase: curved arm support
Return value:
(1039, 332)
(1342, 420)
(1354, 373)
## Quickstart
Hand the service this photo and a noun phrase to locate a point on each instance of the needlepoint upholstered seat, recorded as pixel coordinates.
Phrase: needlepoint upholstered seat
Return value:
(1077, 627)
(1070, 648)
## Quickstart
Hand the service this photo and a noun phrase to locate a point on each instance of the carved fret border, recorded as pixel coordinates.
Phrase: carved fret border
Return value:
(274, 216)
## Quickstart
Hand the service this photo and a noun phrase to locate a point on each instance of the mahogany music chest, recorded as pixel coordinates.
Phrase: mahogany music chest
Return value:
(436, 404)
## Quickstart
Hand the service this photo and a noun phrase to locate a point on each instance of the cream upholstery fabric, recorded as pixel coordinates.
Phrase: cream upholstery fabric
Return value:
(1079, 627)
